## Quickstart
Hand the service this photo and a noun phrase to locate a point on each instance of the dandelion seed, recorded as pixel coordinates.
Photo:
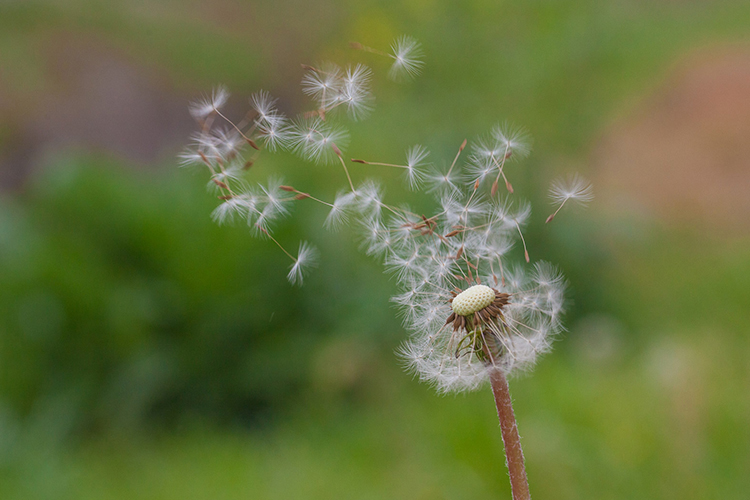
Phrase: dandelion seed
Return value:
(190, 158)
(263, 104)
(407, 55)
(236, 206)
(226, 176)
(305, 260)
(575, 188)
(260, 221)
(413, 169)
(415, 158)
(227, 143)
(323, 84)
(203, 107)
(441, 182)
(480, 167)
(355, 92)
(207, 150)
(274, 130)
(339, 210)
(312, 139)
(515, 140)
(368, 200)
(377, 238)
(274, 196)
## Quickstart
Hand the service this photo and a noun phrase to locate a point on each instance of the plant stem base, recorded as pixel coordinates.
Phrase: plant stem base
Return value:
(519, 483)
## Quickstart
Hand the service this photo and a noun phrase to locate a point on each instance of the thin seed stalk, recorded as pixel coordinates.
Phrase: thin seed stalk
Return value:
(519, 484)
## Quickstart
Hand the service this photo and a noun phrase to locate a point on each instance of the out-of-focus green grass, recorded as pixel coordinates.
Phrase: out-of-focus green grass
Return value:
(645, 398)
(665, 418)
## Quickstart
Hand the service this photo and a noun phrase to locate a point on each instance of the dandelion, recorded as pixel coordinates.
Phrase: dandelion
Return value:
(574, 188)
(468, 326)
(473, 318)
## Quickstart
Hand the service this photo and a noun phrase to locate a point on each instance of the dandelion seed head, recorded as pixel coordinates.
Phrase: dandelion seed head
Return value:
(473, 299)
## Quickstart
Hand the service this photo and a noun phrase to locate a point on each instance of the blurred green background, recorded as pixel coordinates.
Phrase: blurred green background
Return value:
(147, 353)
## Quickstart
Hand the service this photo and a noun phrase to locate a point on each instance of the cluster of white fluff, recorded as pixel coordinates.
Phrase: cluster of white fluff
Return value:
(222, 145)
(465, 241)
(333, 87)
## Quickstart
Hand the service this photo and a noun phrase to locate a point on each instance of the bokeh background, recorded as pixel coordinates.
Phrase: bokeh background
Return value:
(147, 353)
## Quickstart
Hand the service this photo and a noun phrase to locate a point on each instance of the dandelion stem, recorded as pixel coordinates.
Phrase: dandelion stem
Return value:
(500, 172)
(383, 164)
(461, 148)
(556, 211)
(313, 198)
(322, 110)
(346, 170)
(519, 483)
(523, 240)
(250, 141)
(278, 244)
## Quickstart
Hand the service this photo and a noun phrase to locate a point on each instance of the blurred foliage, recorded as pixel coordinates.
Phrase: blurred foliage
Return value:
(124, 311)
(123, 301)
